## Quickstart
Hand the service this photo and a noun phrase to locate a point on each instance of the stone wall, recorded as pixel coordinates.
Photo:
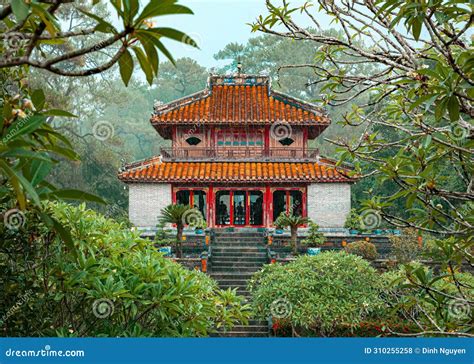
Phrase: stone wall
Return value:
(329, 203)
(146, 201)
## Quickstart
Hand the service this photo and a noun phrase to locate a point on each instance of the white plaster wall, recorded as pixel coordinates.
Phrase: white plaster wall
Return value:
(146, 201)
(329, 203)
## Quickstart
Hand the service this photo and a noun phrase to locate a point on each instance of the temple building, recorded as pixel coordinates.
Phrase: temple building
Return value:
(239, 153)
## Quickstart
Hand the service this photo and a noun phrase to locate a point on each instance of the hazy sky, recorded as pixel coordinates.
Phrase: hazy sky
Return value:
(214, 24)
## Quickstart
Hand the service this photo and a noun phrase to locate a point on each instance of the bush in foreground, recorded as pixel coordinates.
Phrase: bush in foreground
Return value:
(314, 295)
(109, 283)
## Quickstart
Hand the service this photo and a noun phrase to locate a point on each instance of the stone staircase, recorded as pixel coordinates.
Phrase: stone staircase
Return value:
(235, 257)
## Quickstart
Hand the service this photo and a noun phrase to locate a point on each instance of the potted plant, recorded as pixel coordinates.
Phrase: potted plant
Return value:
(181, 216)
(278, 228)
(162, 241)
(293, 222)
(314, 240)
(200, 226)
(353, 222)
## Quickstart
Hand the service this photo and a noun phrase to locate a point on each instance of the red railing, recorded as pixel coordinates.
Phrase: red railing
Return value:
(238, 153)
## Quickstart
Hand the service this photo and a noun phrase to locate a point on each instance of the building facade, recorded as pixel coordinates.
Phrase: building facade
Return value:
(239, 153)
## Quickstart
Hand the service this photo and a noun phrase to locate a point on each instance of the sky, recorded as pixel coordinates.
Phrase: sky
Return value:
(215, 23)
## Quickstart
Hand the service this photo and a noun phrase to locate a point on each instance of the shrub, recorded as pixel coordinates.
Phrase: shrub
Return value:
(315, 238)
(446, 303)
(363, 249)
(108, 283)
(405, 247)
(315, 294)
(353, 221)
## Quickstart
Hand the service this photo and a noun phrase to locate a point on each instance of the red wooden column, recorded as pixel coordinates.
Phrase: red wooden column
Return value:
(267, 141)
(268, 203)
(211, 207)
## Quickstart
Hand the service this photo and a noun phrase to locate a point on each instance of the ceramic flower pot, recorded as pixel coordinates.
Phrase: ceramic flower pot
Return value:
(278, 231)
(166, 250)
(313, 251)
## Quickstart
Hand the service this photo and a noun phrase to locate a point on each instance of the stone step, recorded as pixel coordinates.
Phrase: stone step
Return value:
(233, 282)
(235, 253)
(241, 238)
(243, 334)
(237, 249)
(248, 328)
(243, 244)
(239, 261)
(231, 275)
(250, 258)
(235, 269)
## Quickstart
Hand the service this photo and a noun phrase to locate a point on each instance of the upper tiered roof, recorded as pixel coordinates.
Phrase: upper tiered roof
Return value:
(238, 99)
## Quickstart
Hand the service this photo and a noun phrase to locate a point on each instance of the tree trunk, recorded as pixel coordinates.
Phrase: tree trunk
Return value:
(179, 241)
(294, 239)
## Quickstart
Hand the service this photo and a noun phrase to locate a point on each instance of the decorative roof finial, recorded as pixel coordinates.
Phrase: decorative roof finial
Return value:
(239, 66)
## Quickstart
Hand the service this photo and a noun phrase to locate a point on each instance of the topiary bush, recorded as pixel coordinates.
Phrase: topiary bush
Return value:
(109, 282)
(363, 249)
(315, 294)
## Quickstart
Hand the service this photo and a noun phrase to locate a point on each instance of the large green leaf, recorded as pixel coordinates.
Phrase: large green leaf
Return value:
(74, 195)
(144, 64)
(175, 35)
(126, 67)
(20, 9)
(162, 7)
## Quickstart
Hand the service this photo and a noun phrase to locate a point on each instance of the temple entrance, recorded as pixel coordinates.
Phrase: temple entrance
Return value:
(243, 207)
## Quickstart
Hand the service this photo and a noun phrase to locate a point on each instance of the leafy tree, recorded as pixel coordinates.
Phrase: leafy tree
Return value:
(34, 36)
(417, 141)
(293, 222)
(314, 295)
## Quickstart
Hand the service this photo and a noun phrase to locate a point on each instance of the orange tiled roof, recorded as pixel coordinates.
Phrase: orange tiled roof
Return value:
(239, 99)
(223, 172)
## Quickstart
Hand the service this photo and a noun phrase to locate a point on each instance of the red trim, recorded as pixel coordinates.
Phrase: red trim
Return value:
(267, 139)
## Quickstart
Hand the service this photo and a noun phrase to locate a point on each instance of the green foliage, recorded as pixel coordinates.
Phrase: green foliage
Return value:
(437, 303)
(180, 215)
(353, 221)
(116, 285)
(406, 247)
(317, 294)
(315, 238)
(363, 249)
(293, 222)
